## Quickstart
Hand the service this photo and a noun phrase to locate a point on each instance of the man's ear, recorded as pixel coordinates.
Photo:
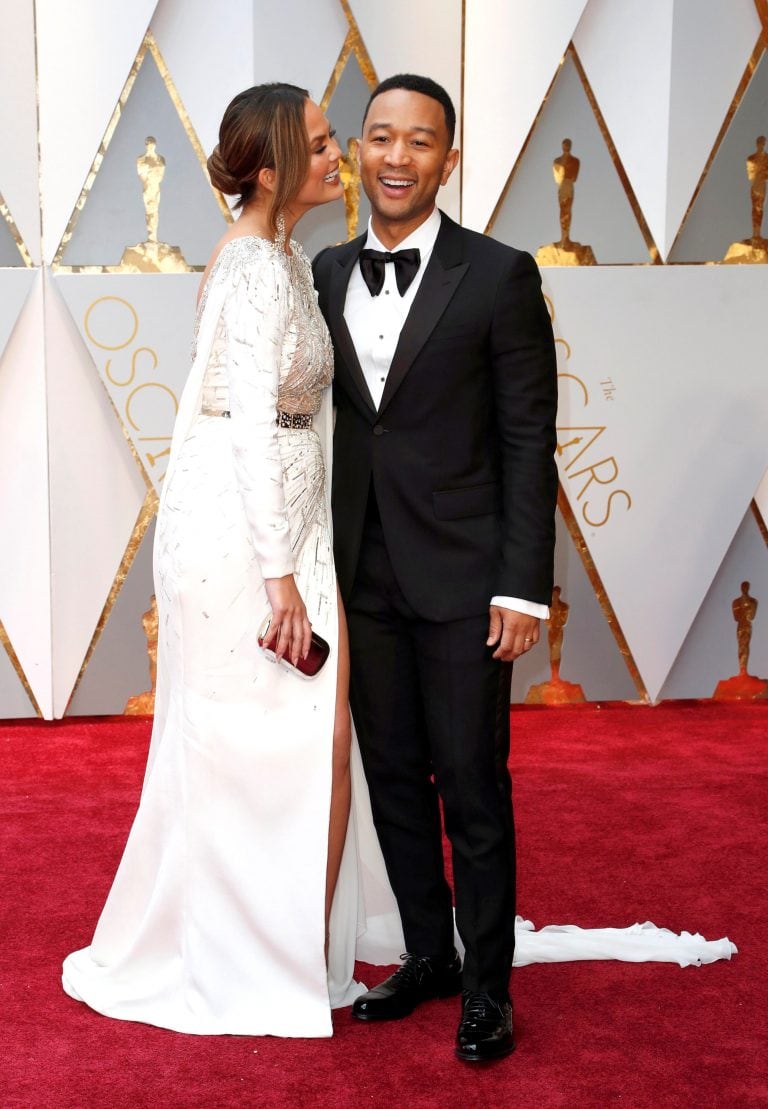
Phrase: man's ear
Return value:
(451, 161)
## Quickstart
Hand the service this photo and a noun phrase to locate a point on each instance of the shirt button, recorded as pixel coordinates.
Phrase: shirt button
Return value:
(386, 292)
(381, 336)
(378, 430)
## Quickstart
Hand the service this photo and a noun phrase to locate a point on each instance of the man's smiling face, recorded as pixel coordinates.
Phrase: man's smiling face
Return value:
(405, 157)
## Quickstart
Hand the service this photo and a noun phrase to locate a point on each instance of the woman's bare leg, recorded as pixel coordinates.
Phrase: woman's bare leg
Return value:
(341, 789)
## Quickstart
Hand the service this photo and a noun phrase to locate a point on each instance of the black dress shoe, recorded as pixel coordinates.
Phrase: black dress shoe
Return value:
(420, 978)
(485, 1029)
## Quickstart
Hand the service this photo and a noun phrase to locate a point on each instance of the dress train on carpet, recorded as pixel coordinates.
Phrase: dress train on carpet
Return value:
(381, 940)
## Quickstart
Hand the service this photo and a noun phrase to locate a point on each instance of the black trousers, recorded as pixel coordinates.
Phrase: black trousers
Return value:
(431, 708)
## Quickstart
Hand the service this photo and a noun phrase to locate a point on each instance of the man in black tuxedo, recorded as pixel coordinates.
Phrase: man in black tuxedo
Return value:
(444, 488)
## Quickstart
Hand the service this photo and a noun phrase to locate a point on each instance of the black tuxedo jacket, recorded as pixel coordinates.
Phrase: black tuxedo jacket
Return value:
(461, 450)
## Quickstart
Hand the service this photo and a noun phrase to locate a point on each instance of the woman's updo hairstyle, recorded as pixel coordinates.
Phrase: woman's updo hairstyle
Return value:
(263, 128)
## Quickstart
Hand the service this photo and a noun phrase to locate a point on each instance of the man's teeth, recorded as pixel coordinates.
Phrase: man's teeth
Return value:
(395, 183)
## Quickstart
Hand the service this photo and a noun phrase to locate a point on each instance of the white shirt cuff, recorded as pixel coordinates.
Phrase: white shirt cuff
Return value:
(528, 608)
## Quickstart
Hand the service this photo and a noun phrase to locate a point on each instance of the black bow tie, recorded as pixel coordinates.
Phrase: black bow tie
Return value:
(372, 264)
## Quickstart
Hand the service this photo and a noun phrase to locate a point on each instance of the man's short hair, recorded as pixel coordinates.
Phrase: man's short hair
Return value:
(412, 82)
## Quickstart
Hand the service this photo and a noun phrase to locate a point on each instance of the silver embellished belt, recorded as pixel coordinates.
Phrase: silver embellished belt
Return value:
(301, 421)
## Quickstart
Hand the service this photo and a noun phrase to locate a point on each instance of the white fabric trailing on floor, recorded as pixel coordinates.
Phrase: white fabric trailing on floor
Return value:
(639, 943)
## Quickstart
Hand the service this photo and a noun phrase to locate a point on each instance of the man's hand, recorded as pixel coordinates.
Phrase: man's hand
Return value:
(512, 633)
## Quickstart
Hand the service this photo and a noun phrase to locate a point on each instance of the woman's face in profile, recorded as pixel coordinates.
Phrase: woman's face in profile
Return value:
(323, 182)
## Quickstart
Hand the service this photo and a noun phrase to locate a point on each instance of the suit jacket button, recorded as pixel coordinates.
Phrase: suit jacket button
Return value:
(378, 430)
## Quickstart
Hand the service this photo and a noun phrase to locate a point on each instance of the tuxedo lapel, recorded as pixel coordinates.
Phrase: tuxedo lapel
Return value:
(341, 271)
(441, 279)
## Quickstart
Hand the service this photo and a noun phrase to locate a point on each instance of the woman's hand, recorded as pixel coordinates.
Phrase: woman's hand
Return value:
(290, 631)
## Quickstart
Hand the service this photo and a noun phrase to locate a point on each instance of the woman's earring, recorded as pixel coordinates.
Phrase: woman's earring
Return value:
(280, 232)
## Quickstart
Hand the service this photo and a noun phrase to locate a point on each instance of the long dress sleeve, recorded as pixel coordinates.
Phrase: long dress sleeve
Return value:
(256, 317)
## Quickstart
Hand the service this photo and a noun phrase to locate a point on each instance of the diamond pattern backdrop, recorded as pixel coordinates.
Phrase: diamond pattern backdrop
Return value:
(662, 448)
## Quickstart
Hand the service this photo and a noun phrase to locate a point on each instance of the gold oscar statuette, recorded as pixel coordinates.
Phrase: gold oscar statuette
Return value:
(152, 256)
(565, 170)
(753, 251)
(349, 172)
(743, 686)
(143, 704)
(556, 691)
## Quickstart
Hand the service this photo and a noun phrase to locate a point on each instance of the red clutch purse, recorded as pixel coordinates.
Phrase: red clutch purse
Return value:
(309, 667)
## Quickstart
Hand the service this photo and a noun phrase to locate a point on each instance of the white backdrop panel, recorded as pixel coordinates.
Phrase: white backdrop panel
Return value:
(119, 666)
(600, 671)
(113, 215)
(25, 568)
(710, 651)
(14, 702)
(197, 40)
(626, 51)
(711, 45)
(14, 289)
(10, 251)
(511, 51)
(721, 214)
(761, 498)
(602, 215)
(138, 331)
(661, 434)
(18, 121)
(664, 76)
(96, 491)
(424, 38)
(85, 53)
(297, 42)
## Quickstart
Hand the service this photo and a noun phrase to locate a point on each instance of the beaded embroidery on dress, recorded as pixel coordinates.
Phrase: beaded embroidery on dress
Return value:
(215, 921)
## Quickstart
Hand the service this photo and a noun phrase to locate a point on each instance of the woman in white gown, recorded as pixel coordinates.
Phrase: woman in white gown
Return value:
(218, 917)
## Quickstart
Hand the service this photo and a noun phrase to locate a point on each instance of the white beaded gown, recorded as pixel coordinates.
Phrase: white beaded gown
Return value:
(215, 921)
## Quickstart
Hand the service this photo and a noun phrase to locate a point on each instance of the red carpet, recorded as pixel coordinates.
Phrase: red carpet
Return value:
(623, 814)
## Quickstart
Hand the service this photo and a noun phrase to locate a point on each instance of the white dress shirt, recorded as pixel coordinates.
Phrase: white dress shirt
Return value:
(375, 323)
